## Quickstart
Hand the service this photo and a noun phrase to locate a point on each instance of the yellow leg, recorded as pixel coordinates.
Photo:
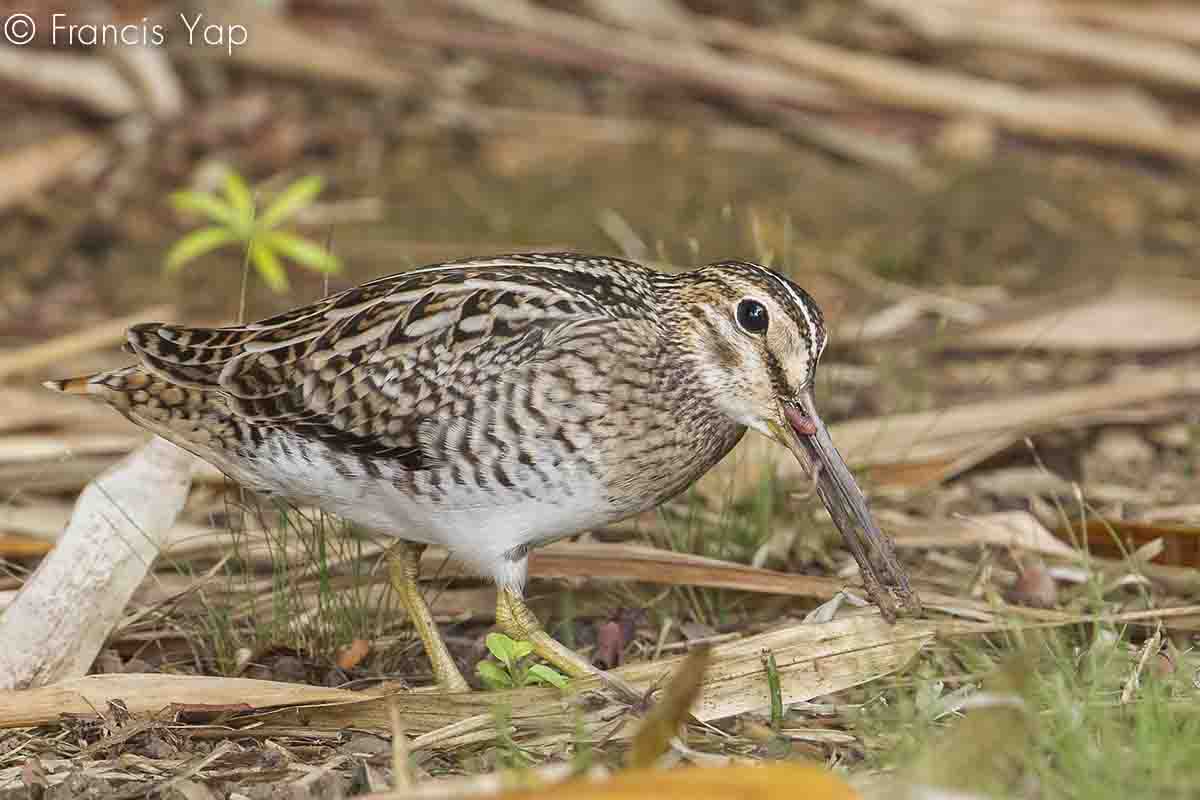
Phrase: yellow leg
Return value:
(404, 567)
(518, 622)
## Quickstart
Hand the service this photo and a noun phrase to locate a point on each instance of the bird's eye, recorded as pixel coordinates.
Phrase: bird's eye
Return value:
(752, 316)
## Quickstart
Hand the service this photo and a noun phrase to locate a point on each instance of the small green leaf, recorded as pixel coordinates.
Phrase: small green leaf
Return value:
(302, 251)
(209, 205)
(545, 674)
(239, 195)
(196, 244)
(492, 676)
(267, 263)
(521, 649)
(297, 195)
(502, 648)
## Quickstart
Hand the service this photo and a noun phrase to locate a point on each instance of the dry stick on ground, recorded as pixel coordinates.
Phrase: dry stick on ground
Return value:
(886, 81)
(1143, 58)
(64, 470)
(91, 82)
(1139, 315)
(38, 166)
(1175, 21)
(54, 352)
(592, 129)
(559, 37)
(894, 83)
(813, 660)
(278, 46)
(23, 409)
(67, 609)
(155, 78)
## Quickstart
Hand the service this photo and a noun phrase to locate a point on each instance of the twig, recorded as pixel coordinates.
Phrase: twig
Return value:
(1178, 22)
(564, 38)
(67, 609)
(194, 767)
(91, 82)
(1139, 57)
(1133, 683)
(895, 83)
(155, 77)
(280, 47)
(592, 129)
(39, 166)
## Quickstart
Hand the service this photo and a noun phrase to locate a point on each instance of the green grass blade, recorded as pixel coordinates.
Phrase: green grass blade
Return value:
(196, 244)
(268, 266)
(297, 195)
(240, 198)
(304, 252)
(773, 686)
(211, 206)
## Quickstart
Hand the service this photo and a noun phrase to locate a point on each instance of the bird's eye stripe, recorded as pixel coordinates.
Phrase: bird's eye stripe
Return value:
(813, 332)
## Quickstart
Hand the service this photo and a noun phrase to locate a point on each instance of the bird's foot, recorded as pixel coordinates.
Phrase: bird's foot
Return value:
(404, 562)
(518, 622)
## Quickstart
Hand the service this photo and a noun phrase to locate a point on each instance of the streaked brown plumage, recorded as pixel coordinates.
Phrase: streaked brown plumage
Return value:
(493, 404)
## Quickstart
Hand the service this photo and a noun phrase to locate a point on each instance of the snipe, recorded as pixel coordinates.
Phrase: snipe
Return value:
(494, 404)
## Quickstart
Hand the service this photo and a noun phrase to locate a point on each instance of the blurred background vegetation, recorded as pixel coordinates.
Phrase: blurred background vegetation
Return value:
(996, 204)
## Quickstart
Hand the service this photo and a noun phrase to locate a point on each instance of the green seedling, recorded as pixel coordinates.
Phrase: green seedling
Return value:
(513, 672)
(236, 221)
(773, 686)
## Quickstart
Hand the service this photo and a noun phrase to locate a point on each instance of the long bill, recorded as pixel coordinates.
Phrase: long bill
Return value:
(806, 436)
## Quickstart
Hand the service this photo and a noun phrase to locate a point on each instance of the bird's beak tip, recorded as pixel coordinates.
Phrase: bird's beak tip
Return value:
(800, 429)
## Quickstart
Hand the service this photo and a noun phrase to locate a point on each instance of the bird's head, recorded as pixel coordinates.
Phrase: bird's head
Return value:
(755, 339)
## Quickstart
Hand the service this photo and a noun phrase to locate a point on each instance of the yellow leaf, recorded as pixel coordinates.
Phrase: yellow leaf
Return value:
(662, 723)
(742, 782)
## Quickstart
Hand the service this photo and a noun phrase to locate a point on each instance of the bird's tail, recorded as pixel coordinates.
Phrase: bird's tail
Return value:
(118, 388)
(85, 384)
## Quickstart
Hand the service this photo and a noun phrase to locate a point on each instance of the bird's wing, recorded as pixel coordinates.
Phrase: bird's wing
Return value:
(367, 370)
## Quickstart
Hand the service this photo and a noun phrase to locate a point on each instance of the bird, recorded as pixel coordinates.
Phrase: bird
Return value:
(494, 404)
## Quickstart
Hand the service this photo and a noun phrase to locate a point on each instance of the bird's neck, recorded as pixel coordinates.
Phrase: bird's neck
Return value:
(710, 431)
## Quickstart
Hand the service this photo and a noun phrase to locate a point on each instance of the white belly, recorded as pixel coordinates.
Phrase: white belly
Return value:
(485, 527)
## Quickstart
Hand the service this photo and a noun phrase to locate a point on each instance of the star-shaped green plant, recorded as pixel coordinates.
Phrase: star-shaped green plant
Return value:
(236, 220)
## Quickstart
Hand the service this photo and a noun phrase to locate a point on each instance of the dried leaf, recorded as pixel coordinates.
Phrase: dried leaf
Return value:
(351, 656)
(771, 782)
(1114, 538)
(662, 724)
(654, 565)
(1134, 317)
